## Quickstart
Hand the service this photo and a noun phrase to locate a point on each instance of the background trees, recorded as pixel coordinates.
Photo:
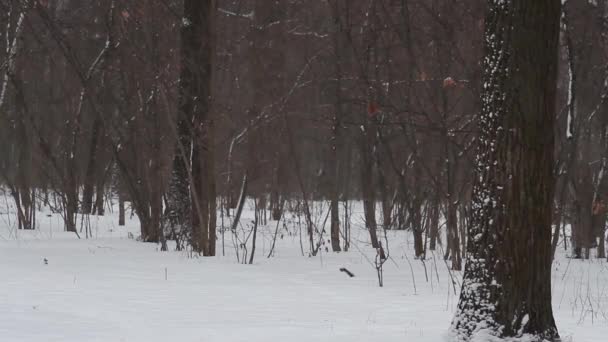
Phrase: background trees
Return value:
(332, 101)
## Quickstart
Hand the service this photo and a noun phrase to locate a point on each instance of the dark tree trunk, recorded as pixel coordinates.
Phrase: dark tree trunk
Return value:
(180, 203)
(506, 288)
(453, 250)
(155, 233)
(98, 207)
(89, 178)
(599, 221)
(121, 210)
(453, 240)
(385, 199)
(335, 186)
(559, 219)
(71, 208)
(194, 106)
(369, 204)
(433, 222)
(346, 176)
(367, 184)
(100, 187)
(155, 184)
(24, 176)
(335, 131)
(416, 225)
(583, 237)
(255, 233)
(276, 201)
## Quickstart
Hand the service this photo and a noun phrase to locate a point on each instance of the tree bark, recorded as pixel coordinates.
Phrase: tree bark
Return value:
(195, 104)
(335, 130)
(89, 179)
(415, 220)
(434, 222)
(121, 209)
(506, 289)
(367, 184)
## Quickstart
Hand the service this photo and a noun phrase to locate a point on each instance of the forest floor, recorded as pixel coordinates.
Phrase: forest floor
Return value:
(110, 287)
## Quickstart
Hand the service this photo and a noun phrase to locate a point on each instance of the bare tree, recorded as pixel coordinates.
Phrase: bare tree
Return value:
(506, 289)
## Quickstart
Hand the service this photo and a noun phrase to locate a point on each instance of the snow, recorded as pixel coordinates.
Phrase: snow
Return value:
(112, 288)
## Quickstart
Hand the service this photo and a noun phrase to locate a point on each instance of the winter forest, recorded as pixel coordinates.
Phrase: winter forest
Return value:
(329, 170)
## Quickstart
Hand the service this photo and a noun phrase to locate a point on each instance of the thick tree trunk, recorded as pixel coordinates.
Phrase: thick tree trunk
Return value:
(600, 221)
(91, 172)
(155, 186)
(506, 288)
(195, 105)
(22, 182)
(70, 202)
(415, 214)
(155, 233)
(453, 250)
(416, 225)
(98, 207)
(452, 235)
(583, 237)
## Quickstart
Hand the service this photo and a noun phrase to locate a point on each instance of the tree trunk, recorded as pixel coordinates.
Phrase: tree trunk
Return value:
(583, 237)
(560, 218)
(506, 289)
(416, 225)
(89, 179)
(70, 202)
(276, 202)
(434, 222)
(385, 199)
(121, 209)
(601, 247)
(346, 176)
(255, 233)
(211, 196)
(98, 207)
(335, 135)
(195, 104)
(453, 236)
(367, 185)
(155, 185)
(24, 177)
(335, 186)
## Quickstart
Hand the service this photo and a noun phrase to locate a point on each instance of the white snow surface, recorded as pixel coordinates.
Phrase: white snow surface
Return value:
(112, 288)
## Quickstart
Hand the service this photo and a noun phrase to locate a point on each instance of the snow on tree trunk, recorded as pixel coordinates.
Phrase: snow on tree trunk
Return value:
(506, 288)
(191, 195)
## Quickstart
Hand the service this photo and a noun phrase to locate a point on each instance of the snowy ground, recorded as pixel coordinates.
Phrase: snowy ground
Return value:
(112, 288)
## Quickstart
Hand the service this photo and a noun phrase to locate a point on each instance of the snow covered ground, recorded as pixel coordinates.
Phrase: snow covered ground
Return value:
(113, 288)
